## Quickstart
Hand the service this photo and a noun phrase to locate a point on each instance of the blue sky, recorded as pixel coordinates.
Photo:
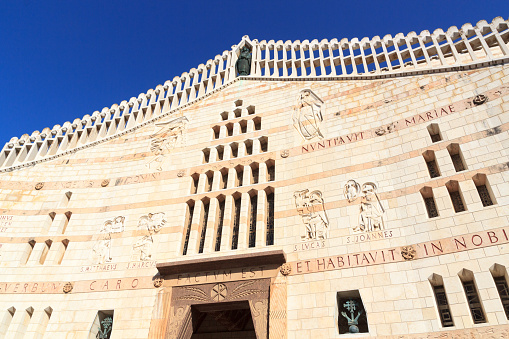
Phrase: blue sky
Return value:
(60, 60)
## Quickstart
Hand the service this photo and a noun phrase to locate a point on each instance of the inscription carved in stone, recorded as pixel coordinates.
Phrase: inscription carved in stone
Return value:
(148, 224)
(308, 115)
(167, 135)
(310, 207)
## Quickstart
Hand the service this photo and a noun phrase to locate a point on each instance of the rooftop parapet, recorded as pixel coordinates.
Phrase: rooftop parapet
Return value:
(468, 47)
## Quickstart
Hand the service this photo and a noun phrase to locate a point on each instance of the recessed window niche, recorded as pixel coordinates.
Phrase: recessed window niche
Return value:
(352, 314)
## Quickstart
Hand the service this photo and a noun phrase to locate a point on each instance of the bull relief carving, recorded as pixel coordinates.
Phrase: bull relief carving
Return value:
(371, 212)
(101, 252)
(310, 207)
(149, 224)
(167, 136)
(308, 115)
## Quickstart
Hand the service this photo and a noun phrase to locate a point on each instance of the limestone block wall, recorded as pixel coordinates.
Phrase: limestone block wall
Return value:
(102, 217)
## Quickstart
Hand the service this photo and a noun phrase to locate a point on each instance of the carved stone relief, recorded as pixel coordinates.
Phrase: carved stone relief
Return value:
(101, 252)
(167, 135)
(352, 190)
(185, 298)
(308, 115)
(371, 213)
(310, 207)
(149, 224)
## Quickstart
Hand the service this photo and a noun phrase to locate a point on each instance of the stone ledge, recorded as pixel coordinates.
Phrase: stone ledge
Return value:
(276, 257)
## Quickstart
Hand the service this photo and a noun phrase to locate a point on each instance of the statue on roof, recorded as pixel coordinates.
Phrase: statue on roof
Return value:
(243, 64)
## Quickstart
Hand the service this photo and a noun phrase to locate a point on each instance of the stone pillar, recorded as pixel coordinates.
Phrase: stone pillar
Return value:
(278, 308)
(226, 236)
(210, 235)
(261, 217)
(250, 126)
(262, 172)
(38, 323)
(194, 237)
(202, 183)
(244, 222)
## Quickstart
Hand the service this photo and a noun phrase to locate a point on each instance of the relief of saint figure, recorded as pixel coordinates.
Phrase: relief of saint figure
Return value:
(149, 224)
(167, 135)
(307, 115)
(312, 210)
(352, 190)
(101, 252)
(371, 216)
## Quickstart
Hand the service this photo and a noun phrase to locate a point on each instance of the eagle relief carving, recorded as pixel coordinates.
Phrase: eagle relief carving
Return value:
(167, 135)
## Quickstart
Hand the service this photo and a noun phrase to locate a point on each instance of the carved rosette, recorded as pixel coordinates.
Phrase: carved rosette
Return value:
(480, 99)
(158, 282)
(408, 252)
(39, 185)
(219, 292)
(285, 269)
(180, 173)
(105, 182)
(285, 153)
(67, 287)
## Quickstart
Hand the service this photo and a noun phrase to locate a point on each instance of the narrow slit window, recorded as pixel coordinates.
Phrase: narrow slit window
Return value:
(444, 309)
(224, 178)
(474, 302)
(264, 144)
(271, 171)
(249, 147)
(240, 175)
(235, 150)
(456, 196)
(206, 206)
(269, 240)
(429, 201)
(220, 153)
(243, 126)
(206, 155)
(236, 222)
(503, 292)
(257, 123)
(484, 189)
(434, 133)
(210, 181)
(220, 223)
(194, 184)
(457, 157)
(216, 131)
(189, 222)
(255, 173)
(431, 163)
(253, 205)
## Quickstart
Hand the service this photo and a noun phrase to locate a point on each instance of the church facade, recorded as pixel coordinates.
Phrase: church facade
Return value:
(328, 189)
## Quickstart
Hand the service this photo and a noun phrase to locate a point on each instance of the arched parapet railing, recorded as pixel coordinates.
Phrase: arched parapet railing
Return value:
(454, 49)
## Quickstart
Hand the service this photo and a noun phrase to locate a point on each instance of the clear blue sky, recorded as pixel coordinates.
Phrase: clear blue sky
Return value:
(60, 60)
